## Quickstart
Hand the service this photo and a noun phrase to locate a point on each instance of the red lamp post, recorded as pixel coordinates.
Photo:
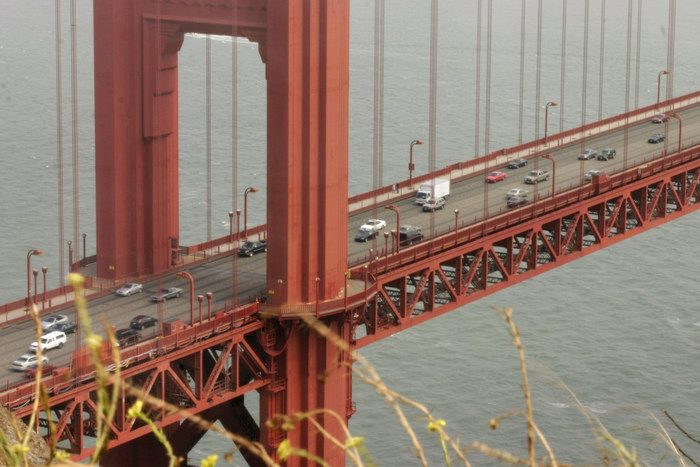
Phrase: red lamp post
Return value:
(546, 117)
(245, 209)
(394, 208)
(209, 296)
(554, 171)
(30, 253)
(658, 86)
(410, 161)
(44, 269)
(230, 226)
(191, 279)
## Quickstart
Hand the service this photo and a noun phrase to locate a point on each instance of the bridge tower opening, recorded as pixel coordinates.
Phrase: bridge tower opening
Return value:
(305, 48)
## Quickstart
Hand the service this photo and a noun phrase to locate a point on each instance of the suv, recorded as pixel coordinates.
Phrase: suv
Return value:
(409, 234)
(49, 341)
(607, 154)
(126, 337)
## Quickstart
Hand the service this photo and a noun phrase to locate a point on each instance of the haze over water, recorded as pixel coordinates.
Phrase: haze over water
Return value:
(619, 327)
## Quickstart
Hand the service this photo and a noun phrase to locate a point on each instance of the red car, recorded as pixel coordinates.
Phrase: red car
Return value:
(660, 118)
(494, 177)
(46, 370)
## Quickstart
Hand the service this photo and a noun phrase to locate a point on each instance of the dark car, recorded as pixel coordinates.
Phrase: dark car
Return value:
(607, 154)
(365, 235)
(142, 322)
(409, 234)
(166, 294)
(515, 163)
(66, 327)
(657, 138)
(126, 337)
(252, 247)
(515, 201)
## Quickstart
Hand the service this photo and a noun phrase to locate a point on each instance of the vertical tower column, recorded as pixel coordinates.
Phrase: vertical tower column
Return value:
(307, 50)
(136, 147)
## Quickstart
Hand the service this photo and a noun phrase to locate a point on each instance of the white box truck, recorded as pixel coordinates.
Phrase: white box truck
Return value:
(437, 188)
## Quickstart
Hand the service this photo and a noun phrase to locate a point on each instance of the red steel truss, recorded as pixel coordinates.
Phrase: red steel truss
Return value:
(456, 269)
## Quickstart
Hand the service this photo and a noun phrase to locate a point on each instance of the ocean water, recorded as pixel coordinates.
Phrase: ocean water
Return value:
(618, 328)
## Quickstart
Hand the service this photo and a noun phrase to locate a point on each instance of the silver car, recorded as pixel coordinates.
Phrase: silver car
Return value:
(27, 360)
(51, 321)
(129, 289)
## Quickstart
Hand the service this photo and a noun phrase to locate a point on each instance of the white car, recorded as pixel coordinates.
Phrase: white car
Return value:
(52, 320)
(373, 224)
(129, 289)
(27, 360)
(51, 340)
(516, 192)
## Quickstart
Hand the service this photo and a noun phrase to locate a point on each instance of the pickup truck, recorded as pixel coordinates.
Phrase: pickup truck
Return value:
(536, 176)
(166, 294)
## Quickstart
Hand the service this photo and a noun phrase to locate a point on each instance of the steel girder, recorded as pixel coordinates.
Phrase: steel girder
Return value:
(464, 266)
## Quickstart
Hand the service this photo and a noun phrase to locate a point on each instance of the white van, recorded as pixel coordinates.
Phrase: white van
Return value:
(51, 340)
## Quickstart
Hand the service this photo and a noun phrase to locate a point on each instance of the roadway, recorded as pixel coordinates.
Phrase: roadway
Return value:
(471, 196)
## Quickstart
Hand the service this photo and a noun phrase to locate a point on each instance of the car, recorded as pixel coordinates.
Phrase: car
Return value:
(126, 336)
(52, 320)
(410, 234)
(166, 294)
(588, 154)
(659, 118)
(516, 163)
(52, 340)
(494, 177)
(129, 289)
(252, 247)
(46, 370)
(142, 322)
(434, 204)
(607, 154)
(67, 327)
(588, 176)
(515, 201)
(365, 235)
(656, 138)
(373, 224)
(26, 360)
(517, 192)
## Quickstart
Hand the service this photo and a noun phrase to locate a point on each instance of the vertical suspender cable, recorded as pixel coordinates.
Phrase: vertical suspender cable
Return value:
(584, 71)
(639, 49)
(671, 47)
(522, 72)
(627, 78)
(59, 141)
(234, 139)
(74, 108)
(487, 110)
(477, 102)
(602, 60)
(538, 80)
(432, 120)
(208, 130)
(562, 78)
(378, 141)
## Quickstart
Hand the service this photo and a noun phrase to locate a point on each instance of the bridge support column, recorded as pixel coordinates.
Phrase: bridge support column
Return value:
(307, 58)
(313, 374)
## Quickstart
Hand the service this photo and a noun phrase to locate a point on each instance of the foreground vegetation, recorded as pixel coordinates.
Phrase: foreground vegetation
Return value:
(22, 446)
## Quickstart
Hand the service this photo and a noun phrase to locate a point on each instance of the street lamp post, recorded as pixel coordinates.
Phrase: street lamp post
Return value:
(386, 250)
(30, 253)
(410, 161)
(456, 220)
(318, 290)
(238, 224)
(546, 117)
(658, 86)
(395, 208)
(44, 269)
(554, 171)
(680, 128)
(245, 209)
(209, 296)
(191, 279)
(36, 275)
(230, 226)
